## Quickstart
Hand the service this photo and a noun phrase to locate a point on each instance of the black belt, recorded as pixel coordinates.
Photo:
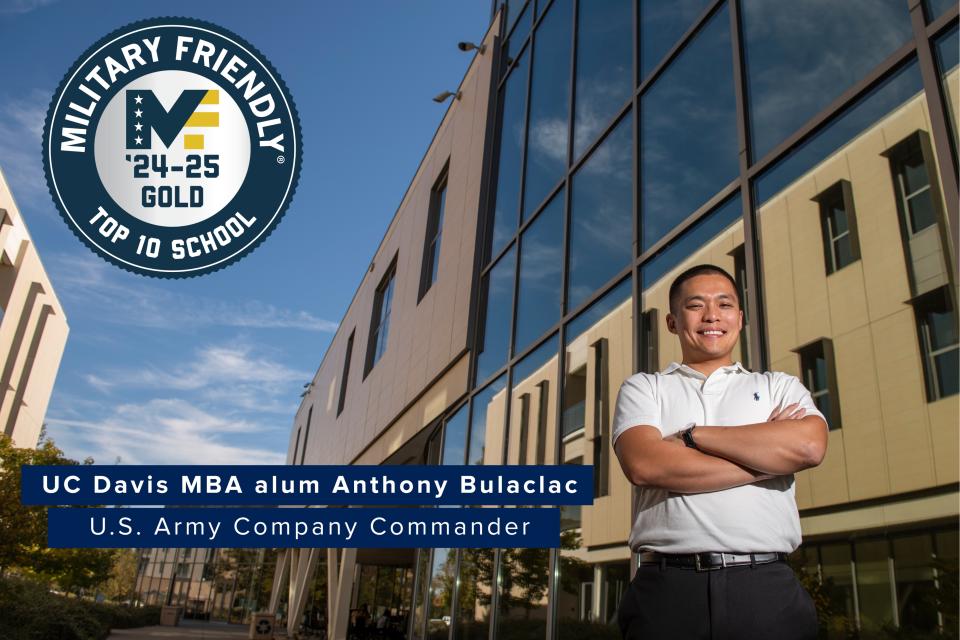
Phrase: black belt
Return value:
(708, 561)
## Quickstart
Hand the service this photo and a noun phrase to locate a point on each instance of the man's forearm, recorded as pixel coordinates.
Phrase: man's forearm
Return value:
(684, 470)
(775, 448)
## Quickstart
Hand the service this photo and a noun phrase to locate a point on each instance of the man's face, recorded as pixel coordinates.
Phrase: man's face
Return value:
(707, 318)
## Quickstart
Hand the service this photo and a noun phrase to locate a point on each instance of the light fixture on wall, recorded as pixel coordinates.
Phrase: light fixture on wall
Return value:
(442, 97)
(469, 46)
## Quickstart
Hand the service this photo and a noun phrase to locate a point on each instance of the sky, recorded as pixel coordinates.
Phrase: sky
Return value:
(209, 370)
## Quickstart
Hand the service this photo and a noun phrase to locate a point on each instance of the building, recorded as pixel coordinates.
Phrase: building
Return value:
(33, 329)
(594, 151)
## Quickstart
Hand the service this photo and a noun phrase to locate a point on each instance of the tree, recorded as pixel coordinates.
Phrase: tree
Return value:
(123, 575)
(23, 529)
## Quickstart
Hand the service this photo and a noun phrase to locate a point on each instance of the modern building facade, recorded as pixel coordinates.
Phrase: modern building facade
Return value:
(33, 329)
(596, 149)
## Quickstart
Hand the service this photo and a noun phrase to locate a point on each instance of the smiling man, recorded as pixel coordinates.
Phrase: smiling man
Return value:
(712, 448)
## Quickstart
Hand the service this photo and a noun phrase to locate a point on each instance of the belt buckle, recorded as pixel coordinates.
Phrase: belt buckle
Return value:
(700, 568)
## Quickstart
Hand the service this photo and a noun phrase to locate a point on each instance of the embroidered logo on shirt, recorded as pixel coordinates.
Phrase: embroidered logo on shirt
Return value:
(756, 396)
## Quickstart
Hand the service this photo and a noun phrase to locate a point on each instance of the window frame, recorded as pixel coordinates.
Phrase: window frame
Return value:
(383, 294)
(807, 355)
(433, 236)
(840, 192)
(922, 306)
(345, 374)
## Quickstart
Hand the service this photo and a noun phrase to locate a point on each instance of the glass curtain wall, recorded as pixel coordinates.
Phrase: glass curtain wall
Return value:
(797, 146)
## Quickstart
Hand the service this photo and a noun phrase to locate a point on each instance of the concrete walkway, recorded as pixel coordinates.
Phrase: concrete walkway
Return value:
(188, 629)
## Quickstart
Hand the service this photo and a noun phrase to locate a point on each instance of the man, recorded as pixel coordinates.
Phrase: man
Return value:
(713, 449)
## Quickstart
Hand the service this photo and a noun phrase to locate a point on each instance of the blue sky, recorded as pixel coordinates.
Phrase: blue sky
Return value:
(209, 369)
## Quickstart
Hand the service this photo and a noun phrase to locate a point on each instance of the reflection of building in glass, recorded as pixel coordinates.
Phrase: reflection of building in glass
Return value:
(33, 329)
(525, 276)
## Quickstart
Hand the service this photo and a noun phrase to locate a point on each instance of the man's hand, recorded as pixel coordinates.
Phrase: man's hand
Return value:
(789, 412)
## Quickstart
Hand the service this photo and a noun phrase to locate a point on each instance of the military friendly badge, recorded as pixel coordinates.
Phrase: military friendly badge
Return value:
(172, 147)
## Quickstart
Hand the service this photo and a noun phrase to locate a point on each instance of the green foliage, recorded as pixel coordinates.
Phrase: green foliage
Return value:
(30, 612)
(23, 529)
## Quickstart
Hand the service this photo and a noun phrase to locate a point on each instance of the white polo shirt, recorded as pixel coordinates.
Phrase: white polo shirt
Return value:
(752, 518)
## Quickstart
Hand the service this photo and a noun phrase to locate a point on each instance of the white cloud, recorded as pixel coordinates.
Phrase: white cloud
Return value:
(15, 7)
(167, 431)
(85, 281)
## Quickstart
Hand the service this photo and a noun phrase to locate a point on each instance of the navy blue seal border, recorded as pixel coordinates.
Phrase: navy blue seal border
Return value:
(298, 151)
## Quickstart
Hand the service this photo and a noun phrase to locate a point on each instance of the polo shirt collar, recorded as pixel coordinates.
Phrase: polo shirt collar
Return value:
(676, 366)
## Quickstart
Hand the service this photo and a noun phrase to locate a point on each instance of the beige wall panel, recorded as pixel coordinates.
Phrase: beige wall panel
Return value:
(778, 278)
(828, 482)
(889, 515)
(804, 494)
(905, 121)
(945, 436)
(811, 297)
(863, 436)
(878, 227)
(902, 400)
(848, 300)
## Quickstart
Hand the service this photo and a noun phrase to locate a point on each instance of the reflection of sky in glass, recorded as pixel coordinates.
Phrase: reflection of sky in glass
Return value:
(517, 37)
(936, 8)
(601, 210)
(604, 67)
(899, 88)
(541, 262)
(455, 438)
(496, 332)
(598, 310)
(948, 51)
(549, 105)
(800, 56)
(511, 145)
(661, 25)
(534, 361)
(478, 432)
(692, 241)
(688, 131)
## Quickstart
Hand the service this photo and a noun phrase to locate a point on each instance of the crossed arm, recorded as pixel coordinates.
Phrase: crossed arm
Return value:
(728, 457)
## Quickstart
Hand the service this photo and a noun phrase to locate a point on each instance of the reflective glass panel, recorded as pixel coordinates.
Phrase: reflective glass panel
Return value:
(936, 8)
(486, 425)
(916, 593)
(661, 25)
(541, 266)
(800, 56)
(604, 67)
(498, 290)
(599, 357)
(521, 31)
(549, 105)
(688, 132)
(714, 240)
(837, 575)
(533, 407)
(474, 594)
(873, 585)
(601, 215)
(513, 123)
(524, 579)
(455, 438)
(948, 52)
(443, 578)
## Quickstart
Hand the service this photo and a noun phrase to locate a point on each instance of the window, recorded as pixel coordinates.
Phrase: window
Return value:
(740, 275)
(306, 436)
(380, 322)
(341, 401)
(820, 378)
(839, 226)
(431, 244)
(296, 447)
(601, 420)
(937, 329)
(912, 183)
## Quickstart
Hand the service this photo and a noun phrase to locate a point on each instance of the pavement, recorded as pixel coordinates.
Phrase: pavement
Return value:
(188, 629)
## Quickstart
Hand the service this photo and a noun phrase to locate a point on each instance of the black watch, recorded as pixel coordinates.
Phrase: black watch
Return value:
(687, 437)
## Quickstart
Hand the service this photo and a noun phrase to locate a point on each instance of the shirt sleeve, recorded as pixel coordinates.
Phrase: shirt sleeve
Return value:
(789, 390)
(636, 405)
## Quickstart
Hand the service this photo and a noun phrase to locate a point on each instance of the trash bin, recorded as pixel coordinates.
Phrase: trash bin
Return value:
(262, 626)
(169, 615)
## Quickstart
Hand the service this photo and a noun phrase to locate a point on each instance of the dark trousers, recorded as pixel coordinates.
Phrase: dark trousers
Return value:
(765, 601)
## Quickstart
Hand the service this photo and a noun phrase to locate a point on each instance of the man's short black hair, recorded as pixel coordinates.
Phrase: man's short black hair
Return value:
(693, 272)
